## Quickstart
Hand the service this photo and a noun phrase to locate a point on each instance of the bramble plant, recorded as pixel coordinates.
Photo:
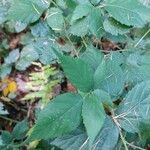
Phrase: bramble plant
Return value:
(102, 47)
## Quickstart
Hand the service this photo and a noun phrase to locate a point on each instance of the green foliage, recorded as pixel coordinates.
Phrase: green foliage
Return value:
(135, 108)
(102, 48)
(10, 140)
(127, 12)
(60, 116)
(27, 11)
(93, 116)
(79, 73)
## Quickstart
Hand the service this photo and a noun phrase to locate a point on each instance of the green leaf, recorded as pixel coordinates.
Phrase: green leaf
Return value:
(99, 74)
(135, 107)
(81, 11)
(108, 136)
(27, 56)
(80, 28)
(27, 11)
(92, 56)
(144, 131)
(104, 97)
(20, 130)
(93, 116)
(78, 72)
(5, 70)
(4, 6)
(137, 68)
(95, 2)
(40, 29)
(114, 27)
(43, 47)
(106, 139)
(19, 26)
(55, 19)
(60, 116)
(12, 57)
(96, 23)
(83, 2)
(72, 141)
(1, 141)
(127, 12)
(6, 137)
(109, 77)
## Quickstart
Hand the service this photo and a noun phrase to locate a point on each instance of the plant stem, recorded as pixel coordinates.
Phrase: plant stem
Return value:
(8, 119)
(135, 147)
(123, 140)
(142, 38)
(119, 128)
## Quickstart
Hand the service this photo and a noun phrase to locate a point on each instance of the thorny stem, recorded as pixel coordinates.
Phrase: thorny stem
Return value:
(119, 128)
(135, 147)
(125, 143)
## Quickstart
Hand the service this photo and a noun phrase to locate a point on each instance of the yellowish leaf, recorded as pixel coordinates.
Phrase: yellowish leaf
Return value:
(12, 86)
(5, 91)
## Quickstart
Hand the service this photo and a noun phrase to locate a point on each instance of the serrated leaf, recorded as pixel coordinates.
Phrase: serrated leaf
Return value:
(12, 57)
(137, 68)
(43, 47)
(80, 12)
(5, 70)
(20, 130)
(80, 28)
(96, 23)
(95, 2)
(106, 139)
(60, 116)
(40, 29)
(127, 12)
(108, 136)
(78, 72)
(6, 137)
(92, 56)
(99, 74)
(114, 27)
(27, 11)
(93, 116)
(19, 26)
(104, 97)
(4, 6)
(135, 107)
(27, 56)
(72, 141)
(109, 77)
(55, 19)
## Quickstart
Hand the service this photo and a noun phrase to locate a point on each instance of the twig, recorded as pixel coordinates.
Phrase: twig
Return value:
(119, 128)
(9, 119)
(125, 143)
(135, 147)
